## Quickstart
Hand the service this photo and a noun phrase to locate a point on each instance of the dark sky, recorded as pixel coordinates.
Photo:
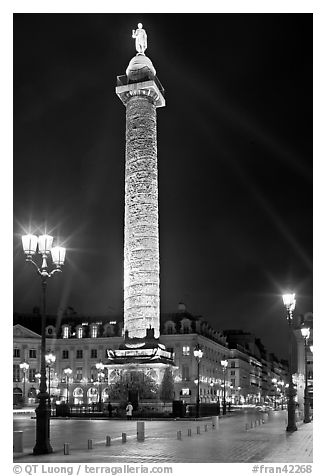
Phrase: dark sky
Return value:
(234, 152)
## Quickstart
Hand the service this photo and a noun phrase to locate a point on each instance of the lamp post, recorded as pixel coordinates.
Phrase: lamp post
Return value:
(239, 395)
(24, 366)
(281, 383)
(274, 382)
(289, 303)
(50, 359)
(43, 245)
(100, 375)
(67, 372)
(198, 354)
(224, 364)
(305, 331)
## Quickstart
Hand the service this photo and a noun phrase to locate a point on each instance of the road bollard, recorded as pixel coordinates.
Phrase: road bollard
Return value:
(215, 422)
(189, 431)
(124, 437)
(90, 444)
(140, 430)
(198, 430)
(205, 427)
(18, 442)
(66, 449)
(246, 427)
(179, 435)
(108, 441)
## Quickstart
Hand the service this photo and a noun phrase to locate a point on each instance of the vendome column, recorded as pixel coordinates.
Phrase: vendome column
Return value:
(141, 93)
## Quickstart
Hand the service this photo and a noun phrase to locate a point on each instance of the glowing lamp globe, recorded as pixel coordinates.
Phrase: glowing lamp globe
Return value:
(198, 353)
(50, 358)
(305, 332)
(24, 366)
(289, 301)
(29, 244)
(224, 363)
(58, 255)
(45, 244)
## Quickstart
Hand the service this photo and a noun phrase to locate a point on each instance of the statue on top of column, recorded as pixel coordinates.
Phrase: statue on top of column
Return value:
(141, 39)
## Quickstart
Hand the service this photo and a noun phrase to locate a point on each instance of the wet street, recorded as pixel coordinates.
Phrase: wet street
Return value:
(232, 441)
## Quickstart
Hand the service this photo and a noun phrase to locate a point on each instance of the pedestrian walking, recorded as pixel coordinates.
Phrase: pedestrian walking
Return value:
(129, 409)
(110, 409)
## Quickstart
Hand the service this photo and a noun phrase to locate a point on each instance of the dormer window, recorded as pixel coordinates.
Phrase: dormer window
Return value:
(79, 332)
(50, 331)
(170, 327)
(65, 332)
(94, 331)
(185, 326)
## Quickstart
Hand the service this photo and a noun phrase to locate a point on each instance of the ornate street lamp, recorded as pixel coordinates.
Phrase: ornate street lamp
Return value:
(24, 366)
(49, 359)
(274, 382)
(289, 303)
(43, 245)
(239, 395)
(100, 376)
(198, 354)
(67, 371)
(305, 331)
(281, 383)
(224, 364)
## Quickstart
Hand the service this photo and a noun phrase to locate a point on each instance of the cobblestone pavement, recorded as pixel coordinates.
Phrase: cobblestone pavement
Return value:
(231, 442)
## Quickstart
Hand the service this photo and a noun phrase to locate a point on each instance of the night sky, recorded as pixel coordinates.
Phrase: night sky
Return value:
(234, 154)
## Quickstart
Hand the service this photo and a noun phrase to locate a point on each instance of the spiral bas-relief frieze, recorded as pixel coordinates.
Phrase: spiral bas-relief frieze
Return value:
(141, 247)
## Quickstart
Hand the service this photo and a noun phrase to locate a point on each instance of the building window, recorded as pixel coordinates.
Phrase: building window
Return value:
(65, 332)
(16, 352)
(186, 350)
(65, 354)
(94, 331)
(32, 353)
(185, 372)
(93, 353)
(80, 332)
(31, 375)
(79, 354)
(79, 373)
(185, 391)
(16, 373)
(232, 372)
(232, 364)
(94, 373)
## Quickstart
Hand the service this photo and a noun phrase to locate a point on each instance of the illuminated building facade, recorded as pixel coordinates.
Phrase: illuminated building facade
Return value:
(80, 343)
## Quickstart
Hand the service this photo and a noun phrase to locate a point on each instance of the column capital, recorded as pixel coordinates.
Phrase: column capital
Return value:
(151, 88)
